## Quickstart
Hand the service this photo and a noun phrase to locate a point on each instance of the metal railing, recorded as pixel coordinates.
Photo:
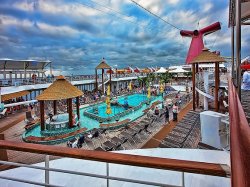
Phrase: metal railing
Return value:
(44, 80)
(109, 157)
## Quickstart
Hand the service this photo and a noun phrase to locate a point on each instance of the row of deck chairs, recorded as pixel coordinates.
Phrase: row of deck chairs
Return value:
(132, 137)
(128, 138)
(180, 133)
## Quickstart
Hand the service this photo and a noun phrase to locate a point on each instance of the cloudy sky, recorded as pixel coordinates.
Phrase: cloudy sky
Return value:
(76, 34)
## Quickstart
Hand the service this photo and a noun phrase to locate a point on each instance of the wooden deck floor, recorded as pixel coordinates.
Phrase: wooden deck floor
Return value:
(158, 137)
(11, 120)
(12, 127)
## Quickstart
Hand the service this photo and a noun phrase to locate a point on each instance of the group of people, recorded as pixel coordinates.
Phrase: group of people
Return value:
(156, 112)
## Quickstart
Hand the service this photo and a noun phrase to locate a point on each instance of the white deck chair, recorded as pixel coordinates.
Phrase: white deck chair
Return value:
(3, 113)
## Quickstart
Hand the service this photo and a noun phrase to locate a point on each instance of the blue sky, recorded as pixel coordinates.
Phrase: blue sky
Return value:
(75, 35)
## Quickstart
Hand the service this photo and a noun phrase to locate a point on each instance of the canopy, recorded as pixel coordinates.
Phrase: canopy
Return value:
(245, 63)
(7, 97)
(150, 69)
(60, 89)
(161, 70)
(137, 70)
(9, 64)
(130, 69)
(112, 71)
(178, 70)
(146, 70)
(154, 69)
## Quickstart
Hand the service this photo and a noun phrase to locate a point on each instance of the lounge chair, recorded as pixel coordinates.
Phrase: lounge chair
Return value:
(108, 145)
(3, 113)
(116, 140)
(99, 149)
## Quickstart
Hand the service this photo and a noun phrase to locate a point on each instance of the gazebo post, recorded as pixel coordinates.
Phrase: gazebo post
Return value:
(197, 93)
(193, 77)
(216, 93)
(67, 102)
(110, 74)
(102, 81)
(70, 112)
(96, 81)
(78, 107)
(55, 107)
(42, 115)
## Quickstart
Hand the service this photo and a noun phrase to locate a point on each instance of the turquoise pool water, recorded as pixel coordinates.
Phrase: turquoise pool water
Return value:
(89, 123)
(133, 100)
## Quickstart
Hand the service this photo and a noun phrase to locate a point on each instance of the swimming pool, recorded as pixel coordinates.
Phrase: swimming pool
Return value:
(119, 108)
(90, 123)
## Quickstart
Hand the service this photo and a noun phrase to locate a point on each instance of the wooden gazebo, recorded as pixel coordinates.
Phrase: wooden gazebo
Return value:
(206, 57)
(103, 65)
(58, 90)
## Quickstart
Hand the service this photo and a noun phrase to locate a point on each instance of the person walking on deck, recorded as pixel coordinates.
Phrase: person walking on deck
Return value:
(175, 112)
(166, 115)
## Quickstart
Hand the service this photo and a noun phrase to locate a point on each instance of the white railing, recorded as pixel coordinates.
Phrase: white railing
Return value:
(47, 169)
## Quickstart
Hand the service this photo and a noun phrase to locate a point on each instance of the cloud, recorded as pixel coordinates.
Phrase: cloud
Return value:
(75, 35)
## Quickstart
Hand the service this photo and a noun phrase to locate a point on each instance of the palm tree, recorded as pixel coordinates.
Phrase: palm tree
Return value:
(164, 77)
(140, 80)
(151, 77)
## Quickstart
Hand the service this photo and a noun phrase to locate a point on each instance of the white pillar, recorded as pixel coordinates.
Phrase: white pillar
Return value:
(205, 78)
(24, 70)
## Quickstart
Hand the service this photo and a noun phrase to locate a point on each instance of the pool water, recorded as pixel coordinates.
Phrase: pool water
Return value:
(133, 100)
(89, 123)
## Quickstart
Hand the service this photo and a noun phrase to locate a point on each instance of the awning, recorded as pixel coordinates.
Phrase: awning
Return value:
(7, 97)
(9, 64)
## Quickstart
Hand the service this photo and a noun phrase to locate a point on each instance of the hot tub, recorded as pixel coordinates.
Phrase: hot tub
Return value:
(59, 122)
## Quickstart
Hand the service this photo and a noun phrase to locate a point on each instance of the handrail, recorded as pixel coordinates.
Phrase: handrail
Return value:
(221, 170)
(239, 140)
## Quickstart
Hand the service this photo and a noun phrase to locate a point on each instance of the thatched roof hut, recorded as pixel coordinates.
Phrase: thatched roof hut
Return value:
(207, 57)
(60, 89)
(103, 65)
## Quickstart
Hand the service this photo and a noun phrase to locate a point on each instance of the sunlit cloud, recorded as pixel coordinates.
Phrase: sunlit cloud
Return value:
(76, 35)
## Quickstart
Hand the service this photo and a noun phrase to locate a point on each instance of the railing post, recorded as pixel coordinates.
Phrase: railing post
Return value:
(46, 171)
(183, 179)
(107, 168)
